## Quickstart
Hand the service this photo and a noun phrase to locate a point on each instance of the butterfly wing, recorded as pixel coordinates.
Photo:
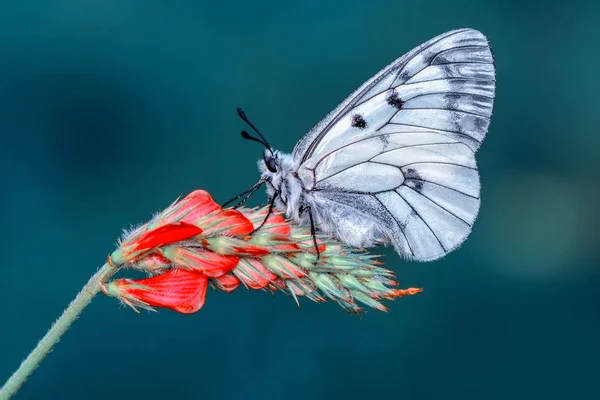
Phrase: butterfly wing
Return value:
(402, 147)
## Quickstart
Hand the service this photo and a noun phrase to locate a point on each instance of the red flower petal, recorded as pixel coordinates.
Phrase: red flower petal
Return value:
(253, 274)
(153, 262)
(179, 290)
(231, 246)
(286, 246)
(273, 242)
(275, 223)
(252, 251)
(228, 222)
(227, 282)
(207, 262)
(283, 267)
(193, 206)
(309, 246)
(164, 235)
(136, 248)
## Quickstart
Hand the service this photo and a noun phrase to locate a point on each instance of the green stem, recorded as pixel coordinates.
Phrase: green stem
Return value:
(56, 331)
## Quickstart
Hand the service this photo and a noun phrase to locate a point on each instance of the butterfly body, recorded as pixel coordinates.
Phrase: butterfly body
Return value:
(298, 198)
(395, 162)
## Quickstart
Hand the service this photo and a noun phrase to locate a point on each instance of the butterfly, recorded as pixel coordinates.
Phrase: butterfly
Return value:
(395, 161)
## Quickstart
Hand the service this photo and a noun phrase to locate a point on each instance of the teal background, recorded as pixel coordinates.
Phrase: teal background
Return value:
(110, 109)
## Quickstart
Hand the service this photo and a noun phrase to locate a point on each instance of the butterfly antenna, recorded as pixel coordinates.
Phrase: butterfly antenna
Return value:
(246, 135)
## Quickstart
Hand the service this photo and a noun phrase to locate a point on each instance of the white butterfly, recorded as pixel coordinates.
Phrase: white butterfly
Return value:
(395, 162)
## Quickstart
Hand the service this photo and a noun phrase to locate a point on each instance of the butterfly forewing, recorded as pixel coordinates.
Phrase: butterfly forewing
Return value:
(402, 147)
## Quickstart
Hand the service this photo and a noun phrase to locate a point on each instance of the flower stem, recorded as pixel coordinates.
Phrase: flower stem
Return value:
(56, 331)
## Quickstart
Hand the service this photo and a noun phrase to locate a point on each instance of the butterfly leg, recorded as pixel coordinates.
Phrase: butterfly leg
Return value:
(312, 228)
(271, 204)
(248, 193)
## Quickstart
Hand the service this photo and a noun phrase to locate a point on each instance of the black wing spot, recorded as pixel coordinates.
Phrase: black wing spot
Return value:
(455, 119)
(415, 179)
(403, 76)
(385, 139)
(394, 100)
(411, 173)
(481, 123)
(403, 225)
(452, 101)
(358, 121)
(418, 186)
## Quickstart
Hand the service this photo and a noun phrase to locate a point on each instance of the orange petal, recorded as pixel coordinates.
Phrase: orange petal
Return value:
(407, 292)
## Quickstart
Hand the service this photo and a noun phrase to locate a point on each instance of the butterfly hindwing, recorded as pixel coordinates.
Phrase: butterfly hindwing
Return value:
(406, 141)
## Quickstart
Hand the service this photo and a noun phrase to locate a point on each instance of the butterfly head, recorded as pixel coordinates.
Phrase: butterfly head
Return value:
(274, 165)
(277, 171)
(270, 160)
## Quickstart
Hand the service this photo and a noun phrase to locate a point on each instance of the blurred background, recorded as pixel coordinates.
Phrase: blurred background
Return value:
(109, 110)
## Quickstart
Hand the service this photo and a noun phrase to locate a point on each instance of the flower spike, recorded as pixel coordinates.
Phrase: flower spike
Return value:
(195, 242)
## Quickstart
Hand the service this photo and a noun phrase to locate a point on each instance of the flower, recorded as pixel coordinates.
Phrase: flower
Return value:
(181, 290)
(143, 244)
(195, 242)
(174, 224)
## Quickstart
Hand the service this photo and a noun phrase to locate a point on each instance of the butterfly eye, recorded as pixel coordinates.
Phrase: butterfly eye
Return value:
(270, 162)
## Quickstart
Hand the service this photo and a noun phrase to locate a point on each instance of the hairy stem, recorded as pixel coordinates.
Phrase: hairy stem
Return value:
(56, 331)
